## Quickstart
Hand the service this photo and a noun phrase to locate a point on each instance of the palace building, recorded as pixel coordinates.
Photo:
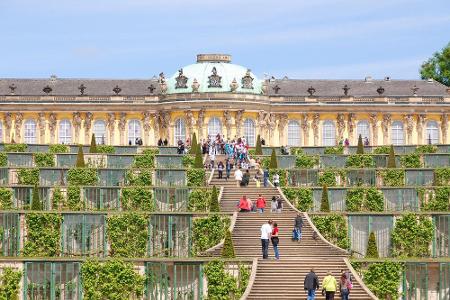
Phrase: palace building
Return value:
(214, 96)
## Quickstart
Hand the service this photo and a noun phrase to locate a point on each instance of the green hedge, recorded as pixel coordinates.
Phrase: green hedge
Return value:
(128, 235)
(393, 177)
(199, 200)
(333, 227)
(301, 198)
(442, 176)
(381, 150)
(360, 161)
(43, 160)
(196, 177)
(82, 176)
(411, 160)
(108, 149)
(208, 232)
(137, 198)
(304, 161)
(43, 235)
(384, 278)
(10, 283)
(437, 201)
(223, 285)
(28, 176)
(334, 150)
(146, 159)
(411, 236)
(364, 199)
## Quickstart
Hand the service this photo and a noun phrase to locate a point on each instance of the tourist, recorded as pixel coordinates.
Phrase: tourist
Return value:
(266, 177)
(160, 142)
(228, 166)
(275, 240)
(166, 142)
(238, 176)
(260, 203)
(276, 179)
(348, 274)
(266, 230)
(329, 285)
(279, 204)
(366, 141)
(246, 178)
(220, 168)
(212, 158)
(273, 204)
(298, 224)
(263, 142)
(245, 204)
(344, 286)
(311, 284)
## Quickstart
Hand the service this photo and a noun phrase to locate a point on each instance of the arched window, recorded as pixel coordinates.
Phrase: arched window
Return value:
(214, 126)
(65, 132)
(363, 129)
(328, 133)
(249, 132)
(30, 132)
(134, 131)
(180, 131)
(397, 134)
(100, 131)
(293, 133)
(432, 133)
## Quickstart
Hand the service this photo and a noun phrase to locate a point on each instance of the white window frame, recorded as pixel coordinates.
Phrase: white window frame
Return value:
(179, 131)
(328, 133)
(30, 132)
(294, 134)
(134, 131)
(65, 132)
(363, 129)
(397, 133)
(250, 132)
(99, 129)
(432, 132)
(214, 127)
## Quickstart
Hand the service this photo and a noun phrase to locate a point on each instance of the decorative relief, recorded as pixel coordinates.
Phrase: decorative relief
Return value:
(8, 125)
(271, 125)
(234, 85)
(122, 125)
(444, 127)
(214, 79)
(305, 127)
(146, 121)
(155, 121)
(228, 121)
(409, 119)
(162, 83)
(190, 121)
(385, 125)
(282, 122)
(247, 80)
(110, 123)
(373, 120)
(52, 121)
(181, 80)
(420, 125)
(18, 125)
(76, 121)
(195, 86)
(340, 120)
(41, 124)
(351, 123)
(201, 119)
(315, 127)
(239, 116)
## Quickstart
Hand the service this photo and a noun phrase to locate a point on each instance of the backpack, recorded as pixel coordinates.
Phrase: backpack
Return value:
(349, 285)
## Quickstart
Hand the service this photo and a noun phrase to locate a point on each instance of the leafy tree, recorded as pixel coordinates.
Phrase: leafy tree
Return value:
(80, 158)
(258, 149)
(438, 66)
(198, 161)
(360, 149)
(36, 203)
(324, 203)
(391, 159)
(228, 247)
(93, 148)
(273, 160)
(372, 250)
(214, 205)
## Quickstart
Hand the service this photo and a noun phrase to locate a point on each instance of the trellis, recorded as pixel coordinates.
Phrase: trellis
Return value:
(171, 199)
(169, 177)
(120, 161)
(302, 177)
(9, 234)
(436, 160)
(441, 241)
(358, 177)
(400, 199)
(444, 281)
(66, 160)
(418, 177)
(53, 177)
(169, 161)
(286, 161)
(111, 177)
(4, 176)
(99, 198)
(336, 198)
(22, 196)
(20, 159)
(415, 281)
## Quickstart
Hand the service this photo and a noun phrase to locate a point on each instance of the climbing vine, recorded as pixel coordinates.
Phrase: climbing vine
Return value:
(6, 198)
(334, 150)
(188, 161)
(74, 198)
(146, 159)
(128, 235)
(3, 159)
(15, 147)
(364, 199)
(57, 198)
(58, 148)
(384, 279)
(195, 177)
(139, 177)
(333, 227)
(82, 176)
(113, 280)
(282, 173)
(222, 285)
(28, 176)
(393, 177)
(411, 236)
(328, 178)
(426, 149)
(10, 283)
(382, 150)
(208, 232)
(439, 201)
(411, 160)
(43, 235)
(360, 161)
(43, 160)
(442, 176)
(107, 149)
(304, 161)
(137, 198)
(199, 200)
(301, 198)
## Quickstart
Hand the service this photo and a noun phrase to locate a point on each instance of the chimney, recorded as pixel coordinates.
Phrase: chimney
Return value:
(368, 79)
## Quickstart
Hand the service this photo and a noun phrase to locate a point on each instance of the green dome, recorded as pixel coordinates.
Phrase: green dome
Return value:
(210, 67)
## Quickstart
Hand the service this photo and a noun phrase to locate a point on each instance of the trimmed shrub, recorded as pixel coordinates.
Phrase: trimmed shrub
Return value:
(43, 235)
(258, 148)
(214, 203)
(439, 201)
(195, 177)
(360, 149)
(381, 150)
(128, 235)
(372, 250)
(301, 198)
(442, 176)
(57, 198)
(137, 198)
(273, 160)
(391, 159)
(74, 198)
(304, 161)
(10, 283)
(80, 158)
(324, 202)
(393, 177)
(360, 161)
(208, 232)
(139, 177)
(228, 247)
(93, 147)
(194, 143)
(200, 200)
(333, 227)
(198, 161)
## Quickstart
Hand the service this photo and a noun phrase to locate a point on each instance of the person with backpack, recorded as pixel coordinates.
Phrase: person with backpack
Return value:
(279, 204)
(311, 284)
(298, 224)
(345, 286)
(329, 286)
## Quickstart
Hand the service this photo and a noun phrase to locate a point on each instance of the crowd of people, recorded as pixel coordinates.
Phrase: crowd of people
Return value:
(329, 285)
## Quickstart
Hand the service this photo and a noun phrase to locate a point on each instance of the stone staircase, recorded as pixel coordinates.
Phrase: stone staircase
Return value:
(281, 279)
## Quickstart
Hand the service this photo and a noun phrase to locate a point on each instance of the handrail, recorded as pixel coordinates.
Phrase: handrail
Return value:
(211, 176)
(359, 279)
(251, 279)
(231, 228)
(305, 214)
(220, 194)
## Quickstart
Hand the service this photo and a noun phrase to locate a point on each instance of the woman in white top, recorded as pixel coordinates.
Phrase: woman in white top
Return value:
(238, 177)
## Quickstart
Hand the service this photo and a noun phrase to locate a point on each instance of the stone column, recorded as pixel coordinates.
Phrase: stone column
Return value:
(385, 126)
(373, 120)
(238, 118)
(87, 127)
(18, 126)
(409, 120)
(351, 126)
(8, 126)
(146, 125)
(271, 125)
(444, 127)
(122, 125)
(282, 122)
(315, 127)
(155, 121)
(420, 125)
(110, 124)
(305, 128)
(77, 126)
(228, 122)
(340, 121)
(42, 124)
(52, 123)
(200, 124)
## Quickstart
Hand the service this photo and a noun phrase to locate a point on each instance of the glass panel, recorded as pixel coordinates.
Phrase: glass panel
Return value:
(432, 133)
(249, 132)
(400, 199)
(397, 134)
(170, 177)
(30, 132)
(134, 131)
(65, 132)
(294, 133)
(10, 228)
(169, 161)
(359, 234)
(436, 160)
(20, 159)
(441, 238)
(214, 127)
(180, 131)
(419, 177)
(99, 131)
(83, 235)
(415, 283)
(328, 134)
(110, 177)
(120, 161)
(306, 177)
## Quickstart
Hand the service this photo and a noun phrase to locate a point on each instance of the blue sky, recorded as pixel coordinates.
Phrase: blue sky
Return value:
(297, 38)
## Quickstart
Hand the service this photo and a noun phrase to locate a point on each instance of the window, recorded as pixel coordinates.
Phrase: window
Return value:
(214, 127)
(134, 131)
(363, 129)
(1, 132)
(432, 133)
(30, 132)
(180, 131)
(398, 136)
(100, 131)
(328, 134)
(249, 132)
(293, 133)
(65, 132)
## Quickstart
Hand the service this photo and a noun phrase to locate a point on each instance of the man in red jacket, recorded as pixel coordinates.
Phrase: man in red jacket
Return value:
(260, 203)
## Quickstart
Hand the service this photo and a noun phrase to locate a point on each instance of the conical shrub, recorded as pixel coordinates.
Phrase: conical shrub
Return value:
(258, 149)
(36, 203)
(198, 161)
(360, 149)
(273, 160)
(391, 159)
(194, 144)
(80, 158)
(93, 147)
(372, 250)
(324, 203)
(228, 246)
(214, 204)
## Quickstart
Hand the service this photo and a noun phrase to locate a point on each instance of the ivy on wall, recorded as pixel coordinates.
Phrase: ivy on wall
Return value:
(74, 201)
(411, 160)
(412, 235)
(188, 161)
(199, 200)
(422, 149)
(146, 159)
(384, 279)
(3, 159)
(28, 176)
(334, 150)
(127, 235)
(304, 161)
(108, 149)
(364, 199)
(333, 227)
(139, 177)
(437, 201)
(113, 280)
(223, 285)
(15, 148)
(360, 161)
(43, 235)
(10, 284)
(196, 177)
(282, 173)
(57, 198)
(328, 178)
(301, 198)
(82, 176)
(208, 232)
(58, 148)
(381, 150)
(442, 176)
(137, 198)
(393, 177)
(43, 160)
(6, 195)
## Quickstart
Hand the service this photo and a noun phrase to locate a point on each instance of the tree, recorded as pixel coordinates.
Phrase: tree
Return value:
(273, 160)
(214, 204)
(228, 247)
(193, 144)
(360, 149)
(372, 250)
(324, 203)
(258, 149)
(36, 203)
(438, 66)
(93, 148)
(80, 158)
(391, 159)
(198, 161)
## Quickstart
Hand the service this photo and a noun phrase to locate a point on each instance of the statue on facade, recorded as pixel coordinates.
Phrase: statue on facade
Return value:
(444, 127)
(18, 126)
(234, 86)
(271, 125)
(110, 123)
(409, 119)
(155, 122)
(41, 124)
(351, 125)
(8, 126)
(385, 125)
(238, 118)
(264, 87)
(282, 122)
(52, 121)
(315, 127)
(162, 83)
(190, 121)
(340, 120)
(247, 80)
(200, 122)
(305, 127)
(195, 86)
(122, 125)
(181, 80)
(76, 121)
(228, 121)
(373, 120)
(420, 125)
(146, 121)
(87, 125)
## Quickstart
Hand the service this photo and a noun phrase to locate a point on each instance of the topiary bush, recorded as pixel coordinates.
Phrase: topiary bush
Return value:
(196, 177)
(127, 235)
(28, 176)
(43, 160)
(82, 176)
(360, 148)
(107, 149)
(258, 148)
(228, 246)
(328, 178)
(391, 163)
(57, 199)
(74, 198)
(301, 198)
(15, 148)
(214, 205)
(324, 202)
(36, 203)
(208, 232)
(138, 198)
(10, 283)
(198, 160)
(360, 161)
(188, 161)
(80, 158)
(393, 177)
(273, 160)
(6, 195)
(372, 249)
(411, 236)
(384, 279)
(333, 227)
(411, 160)
(3, 159)
(194, 143)
(58, 148)
(93, 147)
(43, 235)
